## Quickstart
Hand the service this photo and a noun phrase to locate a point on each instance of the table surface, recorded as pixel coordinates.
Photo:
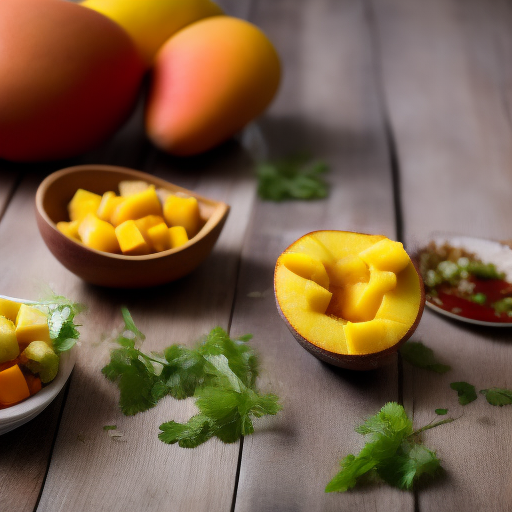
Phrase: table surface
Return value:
(410, 104)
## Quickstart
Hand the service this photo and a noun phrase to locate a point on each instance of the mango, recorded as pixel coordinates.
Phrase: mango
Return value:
(137, 206)
(82, 203)
(183, 211)
(209, 80)
(31, 325)
(9, 309)
(39, 358)
(98, 234)
(13, 386)
(109, 202)
(178, 236)
(348, 293)
(70, 229)
(159, 237)
(9, 348)
(130, 239)
(70, 78)
(152, 22)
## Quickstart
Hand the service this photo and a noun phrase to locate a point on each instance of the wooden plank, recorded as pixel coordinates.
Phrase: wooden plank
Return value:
(329, 105)
(446, 69)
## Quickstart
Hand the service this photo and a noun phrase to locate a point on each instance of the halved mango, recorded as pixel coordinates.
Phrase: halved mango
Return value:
(369, 300)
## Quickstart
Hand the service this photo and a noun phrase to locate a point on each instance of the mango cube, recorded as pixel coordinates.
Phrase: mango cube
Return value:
(160, 237)
(83, 203)
(146, 223)
(70, 229)
(109, 202)
(317, 296)
(183, 211)
(130, 239)
(98, 234)
(372, 336)
(177, 236)
(351, 269)
(136, 206)
(130, 187)
(386, 255)
(306, 267)
(31, 325)
(39, 358)
(9, 309)
(13, 386)
(9, 348)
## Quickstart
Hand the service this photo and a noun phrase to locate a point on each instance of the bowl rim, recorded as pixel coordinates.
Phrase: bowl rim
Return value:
(221, 209)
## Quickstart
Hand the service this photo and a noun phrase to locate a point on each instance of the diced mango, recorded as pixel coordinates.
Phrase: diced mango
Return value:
(130, 187)
(130, 239)
(13, 386)
(306, 267)
(39, 358)
(386, 255)
(160, 237)
(317, 296)
(177, 236)
(9, 309)
(98, 234)
(349, 270)
(70, 229)
(9, 348)
(31, 325)
(136, 206)
(183, 211)
(362, 300)
(34, 383)
(372, 336)
(148, 222)
(83, 203)
(109, 202)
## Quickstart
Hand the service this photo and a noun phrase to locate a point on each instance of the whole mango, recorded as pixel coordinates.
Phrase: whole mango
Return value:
(151, 22)
(208, 82)
(70, 77)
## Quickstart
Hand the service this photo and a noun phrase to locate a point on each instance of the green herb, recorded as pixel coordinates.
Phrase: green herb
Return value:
(484, 270)
(497, 396)
(61, 314)
(220, 373)
(479, 298)
(465, 391)
(419, 355)
(441, 412)
(295, 177)
(110, 427)
(393, 452)
(503, 306)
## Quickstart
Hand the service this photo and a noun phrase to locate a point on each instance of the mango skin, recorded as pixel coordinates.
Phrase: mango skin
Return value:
(151, 22)
(70, 77)
(209, 80)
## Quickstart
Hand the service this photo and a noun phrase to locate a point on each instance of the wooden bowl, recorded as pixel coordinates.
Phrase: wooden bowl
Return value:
(116, 270)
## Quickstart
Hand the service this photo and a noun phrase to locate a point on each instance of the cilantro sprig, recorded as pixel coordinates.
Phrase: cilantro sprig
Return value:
(220, 373)
(393, 452)
(295, 177)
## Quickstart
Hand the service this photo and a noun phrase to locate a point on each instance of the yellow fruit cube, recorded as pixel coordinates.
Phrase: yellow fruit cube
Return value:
(70, 229)
(351, 269)
(160, 237)
(183, 211)
(372, 336)
(13, 386)
(41, 359)
(317, 296)
(98, 234)
(109, 202)
(32, 325)
(306, 267)
(178, 236)
(130, 187)
(9, 309)
(386, 255)
(9, 348)
(83, 203)
(148, 222)
(137, 206)
(130, 239)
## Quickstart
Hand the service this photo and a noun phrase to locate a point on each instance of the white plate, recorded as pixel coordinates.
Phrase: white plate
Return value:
(19, 414)
(489, 251)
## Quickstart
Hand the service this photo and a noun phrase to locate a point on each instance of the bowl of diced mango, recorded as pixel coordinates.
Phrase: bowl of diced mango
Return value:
(123, 228)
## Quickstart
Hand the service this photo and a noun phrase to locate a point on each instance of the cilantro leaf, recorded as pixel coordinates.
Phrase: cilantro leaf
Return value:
(498, 396)
(441, 412)
(294, 177)
(393, 452)
(417, 354)
(465, 391)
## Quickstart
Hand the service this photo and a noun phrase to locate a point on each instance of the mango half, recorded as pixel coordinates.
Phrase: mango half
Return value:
(351, 299)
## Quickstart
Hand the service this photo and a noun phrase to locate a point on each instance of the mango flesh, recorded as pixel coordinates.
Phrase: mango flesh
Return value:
(70, 77)
(151, 22)
(209, 80)
(348, 293)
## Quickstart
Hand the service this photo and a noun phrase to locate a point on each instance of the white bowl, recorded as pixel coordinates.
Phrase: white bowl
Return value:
(19, 414)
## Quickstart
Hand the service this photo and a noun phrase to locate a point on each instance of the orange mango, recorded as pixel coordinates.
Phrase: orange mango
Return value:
(209, 80)
(13, 386)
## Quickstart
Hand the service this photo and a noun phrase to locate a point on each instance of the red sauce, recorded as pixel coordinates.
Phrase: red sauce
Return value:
(493, 289)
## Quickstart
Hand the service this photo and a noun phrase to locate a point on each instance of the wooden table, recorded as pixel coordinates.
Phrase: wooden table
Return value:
(410, 103)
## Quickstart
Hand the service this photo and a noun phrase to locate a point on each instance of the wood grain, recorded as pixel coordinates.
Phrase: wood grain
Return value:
(328, 104)
(446, 70)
